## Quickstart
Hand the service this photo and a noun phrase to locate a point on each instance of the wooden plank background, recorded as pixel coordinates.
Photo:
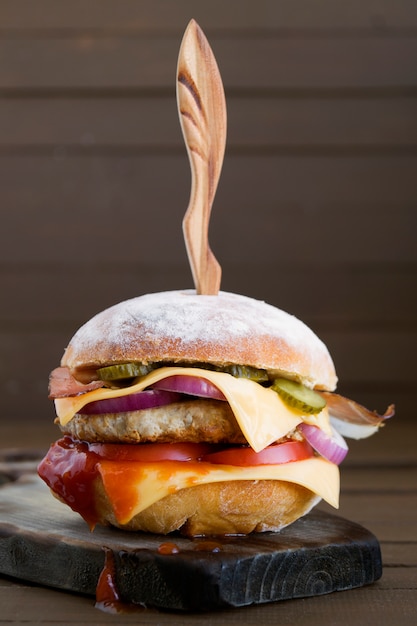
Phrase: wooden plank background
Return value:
(316, 209)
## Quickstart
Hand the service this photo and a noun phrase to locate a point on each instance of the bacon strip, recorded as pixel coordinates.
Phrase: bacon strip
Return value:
(350, 411)
(62, 384)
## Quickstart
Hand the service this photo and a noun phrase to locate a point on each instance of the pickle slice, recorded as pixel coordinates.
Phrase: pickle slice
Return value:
(123, 370)
(245, 371)
(299, 396)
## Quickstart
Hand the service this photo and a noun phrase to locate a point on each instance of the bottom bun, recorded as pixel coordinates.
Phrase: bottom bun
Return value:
(228, 508)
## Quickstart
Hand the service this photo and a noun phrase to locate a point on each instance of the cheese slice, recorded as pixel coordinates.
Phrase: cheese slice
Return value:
(261, 414)
(133, 487)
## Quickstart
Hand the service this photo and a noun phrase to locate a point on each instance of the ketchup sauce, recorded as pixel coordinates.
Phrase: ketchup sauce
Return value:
(168, 548)
(107, 596)
(208, 546)
(70, 469)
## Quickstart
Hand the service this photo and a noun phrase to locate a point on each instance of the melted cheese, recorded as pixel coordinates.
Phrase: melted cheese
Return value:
(146, 483)
(261, 414)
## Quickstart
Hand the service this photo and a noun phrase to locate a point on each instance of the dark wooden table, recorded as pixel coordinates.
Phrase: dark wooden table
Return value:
(379, 491)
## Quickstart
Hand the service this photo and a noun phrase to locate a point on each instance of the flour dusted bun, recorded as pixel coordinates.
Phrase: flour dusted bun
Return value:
(183, 327)
(227, 508)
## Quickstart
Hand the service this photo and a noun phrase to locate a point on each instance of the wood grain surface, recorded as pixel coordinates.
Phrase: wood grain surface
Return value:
(315, 211)
(203, 119)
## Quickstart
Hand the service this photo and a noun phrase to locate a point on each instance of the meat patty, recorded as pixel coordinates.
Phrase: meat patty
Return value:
(196, 421)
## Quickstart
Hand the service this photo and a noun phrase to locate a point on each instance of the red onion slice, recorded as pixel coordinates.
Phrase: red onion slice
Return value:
(190, 385)
(333, 448)
(133, 402)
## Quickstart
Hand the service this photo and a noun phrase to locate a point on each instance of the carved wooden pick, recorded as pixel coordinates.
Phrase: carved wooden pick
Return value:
(202, 113)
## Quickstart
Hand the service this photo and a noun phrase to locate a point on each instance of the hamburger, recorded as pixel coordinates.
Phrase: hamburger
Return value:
(203, 414)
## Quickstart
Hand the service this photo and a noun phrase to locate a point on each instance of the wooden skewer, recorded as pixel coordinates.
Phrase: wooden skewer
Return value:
(202, 112)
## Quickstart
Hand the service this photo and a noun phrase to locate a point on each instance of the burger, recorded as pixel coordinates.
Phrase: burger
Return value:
(203, 414)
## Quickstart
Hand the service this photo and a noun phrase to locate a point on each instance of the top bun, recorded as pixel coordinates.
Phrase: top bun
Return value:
(223, 329)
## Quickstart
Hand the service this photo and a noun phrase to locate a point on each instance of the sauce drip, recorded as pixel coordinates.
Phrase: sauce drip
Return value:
(208, 546)
(107, 596)
(70, 469)
(168, 548)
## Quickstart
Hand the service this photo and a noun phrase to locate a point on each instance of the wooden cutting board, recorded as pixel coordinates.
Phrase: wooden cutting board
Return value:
(43, 541)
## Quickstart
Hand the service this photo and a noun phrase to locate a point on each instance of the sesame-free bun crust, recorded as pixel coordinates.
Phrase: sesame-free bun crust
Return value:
(183, 327)
(228, 508)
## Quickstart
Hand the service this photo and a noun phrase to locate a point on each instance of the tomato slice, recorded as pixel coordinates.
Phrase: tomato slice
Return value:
(272, 455)
(240, 456)
(150, 452)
